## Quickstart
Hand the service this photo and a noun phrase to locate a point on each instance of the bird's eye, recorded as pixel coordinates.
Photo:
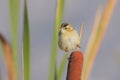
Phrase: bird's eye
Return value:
(65, 28)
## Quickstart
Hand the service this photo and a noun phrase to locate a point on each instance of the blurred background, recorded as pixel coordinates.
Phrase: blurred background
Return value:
(41, 20)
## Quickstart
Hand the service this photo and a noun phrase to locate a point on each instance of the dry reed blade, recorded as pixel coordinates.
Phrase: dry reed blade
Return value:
(88, 64)
(8, 58)
(95, 39)
(81, 31)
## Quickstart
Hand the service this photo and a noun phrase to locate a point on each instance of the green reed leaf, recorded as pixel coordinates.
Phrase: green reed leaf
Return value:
(26, 45)
(14, 17)
(58, 19)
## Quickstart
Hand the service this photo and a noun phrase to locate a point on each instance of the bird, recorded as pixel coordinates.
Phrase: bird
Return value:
(68, 38)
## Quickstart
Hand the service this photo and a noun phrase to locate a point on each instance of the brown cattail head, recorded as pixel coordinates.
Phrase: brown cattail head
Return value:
(75, 66)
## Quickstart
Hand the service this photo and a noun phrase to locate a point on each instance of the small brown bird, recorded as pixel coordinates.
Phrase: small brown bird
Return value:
(68, 38)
